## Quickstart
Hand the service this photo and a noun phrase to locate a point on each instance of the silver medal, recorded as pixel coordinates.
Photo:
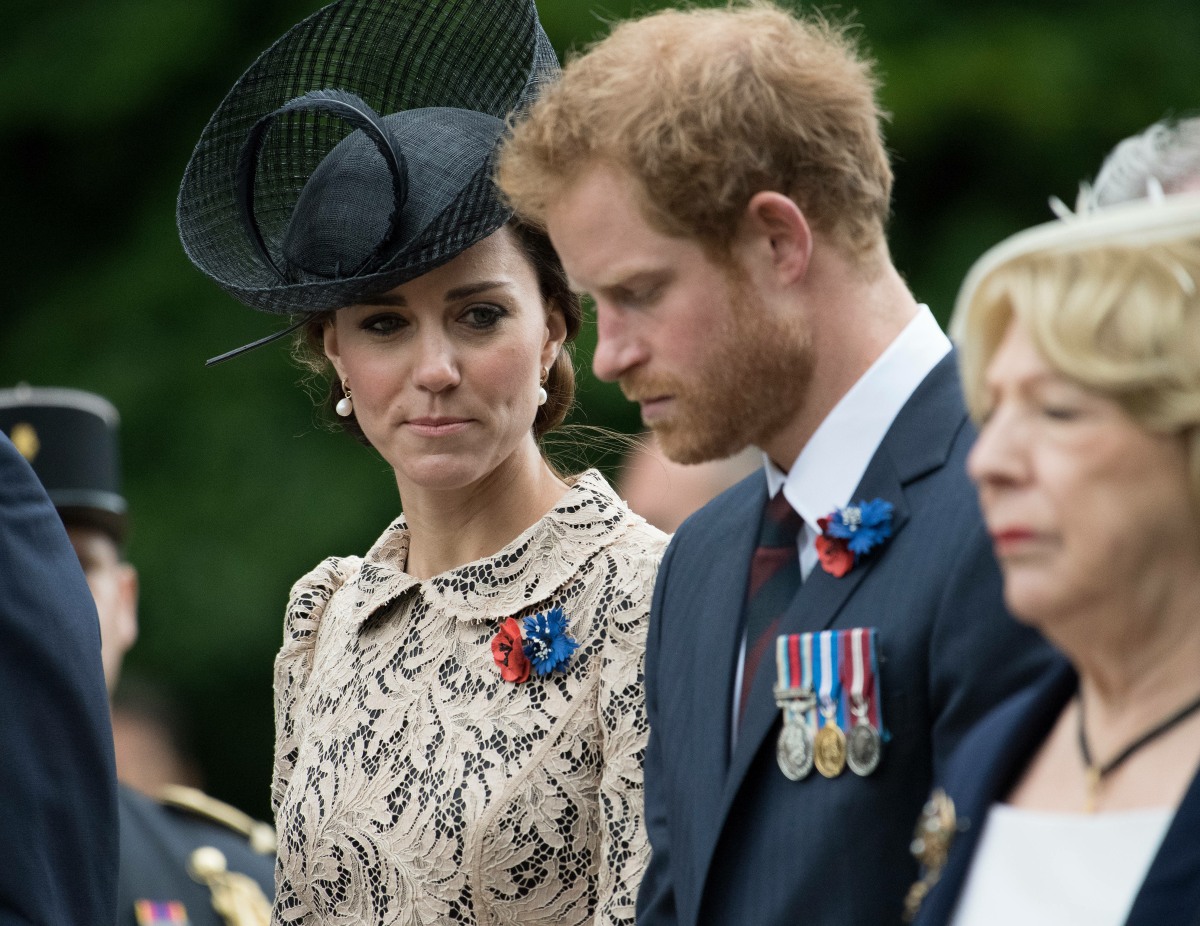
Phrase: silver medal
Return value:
(794, 752)
(863, 748)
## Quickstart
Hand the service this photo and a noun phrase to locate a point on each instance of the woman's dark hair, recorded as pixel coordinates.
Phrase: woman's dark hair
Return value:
(557, 292)
(309, 346)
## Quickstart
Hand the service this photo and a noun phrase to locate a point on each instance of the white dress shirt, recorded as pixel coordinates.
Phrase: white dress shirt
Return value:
(832, 463)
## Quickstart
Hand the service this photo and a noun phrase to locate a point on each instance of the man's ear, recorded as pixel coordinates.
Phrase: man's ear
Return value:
(776, 229)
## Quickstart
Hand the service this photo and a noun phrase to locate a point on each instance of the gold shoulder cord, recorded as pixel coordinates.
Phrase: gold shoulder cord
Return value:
(261, 835)
(235, 896)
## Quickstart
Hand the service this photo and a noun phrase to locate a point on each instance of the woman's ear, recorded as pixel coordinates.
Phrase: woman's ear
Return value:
(556, 335)
(330, 340)
(774, 228)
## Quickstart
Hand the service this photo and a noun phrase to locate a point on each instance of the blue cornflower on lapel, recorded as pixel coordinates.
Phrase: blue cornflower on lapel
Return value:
(852, 532)
(547, 645)
(863, 526)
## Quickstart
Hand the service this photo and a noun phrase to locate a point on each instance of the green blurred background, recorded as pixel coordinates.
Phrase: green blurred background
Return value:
(234, 486)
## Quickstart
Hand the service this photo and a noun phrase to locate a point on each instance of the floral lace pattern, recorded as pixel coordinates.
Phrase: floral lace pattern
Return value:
(413, 785)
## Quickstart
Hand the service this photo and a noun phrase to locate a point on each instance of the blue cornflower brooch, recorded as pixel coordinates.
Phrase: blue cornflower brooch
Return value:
(538, 644)
(851, 532)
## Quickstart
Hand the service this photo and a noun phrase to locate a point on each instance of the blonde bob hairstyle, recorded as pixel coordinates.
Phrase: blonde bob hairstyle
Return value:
(703, 108)
(1111, 300)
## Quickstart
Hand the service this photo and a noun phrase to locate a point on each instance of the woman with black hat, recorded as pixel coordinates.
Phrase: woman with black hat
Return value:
(459, 717)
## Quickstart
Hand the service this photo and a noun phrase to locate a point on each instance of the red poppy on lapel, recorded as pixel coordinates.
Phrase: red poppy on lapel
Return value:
(508, 651)
(850, 532)
(833, 552)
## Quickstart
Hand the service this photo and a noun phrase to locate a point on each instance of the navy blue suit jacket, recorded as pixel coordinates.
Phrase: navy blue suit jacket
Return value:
(734, 841)
(986, 768)
(58, 825)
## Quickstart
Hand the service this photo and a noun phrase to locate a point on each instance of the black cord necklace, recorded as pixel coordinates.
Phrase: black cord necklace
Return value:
(1097, 773)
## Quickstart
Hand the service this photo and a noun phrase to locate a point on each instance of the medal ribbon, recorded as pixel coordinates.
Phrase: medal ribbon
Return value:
(859, 695)
(786, 675)
(850, 670)
(805, 646)
(829, 685)
(793, 666)
(160, 913)
(870, 676)
(858, 671)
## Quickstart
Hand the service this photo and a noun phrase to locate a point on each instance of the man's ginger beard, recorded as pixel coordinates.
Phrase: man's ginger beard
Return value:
(743, 390)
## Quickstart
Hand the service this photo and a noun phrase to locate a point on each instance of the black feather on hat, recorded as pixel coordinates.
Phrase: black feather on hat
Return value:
(357, 152)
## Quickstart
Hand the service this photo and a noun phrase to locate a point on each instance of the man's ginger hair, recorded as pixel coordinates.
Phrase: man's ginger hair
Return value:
(706, 107)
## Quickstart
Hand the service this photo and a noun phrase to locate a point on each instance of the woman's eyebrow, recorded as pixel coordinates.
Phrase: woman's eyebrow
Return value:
(471, 289)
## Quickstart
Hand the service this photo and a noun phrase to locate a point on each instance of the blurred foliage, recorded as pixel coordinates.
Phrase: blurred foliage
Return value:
(235, 487)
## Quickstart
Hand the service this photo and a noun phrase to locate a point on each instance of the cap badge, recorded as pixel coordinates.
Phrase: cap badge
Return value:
(25, 439)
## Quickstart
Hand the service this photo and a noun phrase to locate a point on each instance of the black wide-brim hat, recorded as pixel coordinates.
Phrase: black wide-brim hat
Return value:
(357, 152)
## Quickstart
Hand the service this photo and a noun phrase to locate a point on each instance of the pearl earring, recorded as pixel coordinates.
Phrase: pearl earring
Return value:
(543, 396)
(345, 405)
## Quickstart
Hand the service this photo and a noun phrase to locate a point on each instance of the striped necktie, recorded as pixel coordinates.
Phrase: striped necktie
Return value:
(774, 581)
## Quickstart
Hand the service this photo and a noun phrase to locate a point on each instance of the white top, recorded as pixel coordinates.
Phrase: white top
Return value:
(1059, 869)
(832, 463)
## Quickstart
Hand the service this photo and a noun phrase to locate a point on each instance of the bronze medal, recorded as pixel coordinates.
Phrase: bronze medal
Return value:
(794, 752)
(830, 750)
(863, 748)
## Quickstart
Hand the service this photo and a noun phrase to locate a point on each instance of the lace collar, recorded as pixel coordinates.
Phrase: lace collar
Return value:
(528, 570)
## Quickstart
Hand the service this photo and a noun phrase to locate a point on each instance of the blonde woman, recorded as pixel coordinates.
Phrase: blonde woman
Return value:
(1078, 801)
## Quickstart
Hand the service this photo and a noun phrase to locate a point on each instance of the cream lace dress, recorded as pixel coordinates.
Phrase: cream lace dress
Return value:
(413, 785)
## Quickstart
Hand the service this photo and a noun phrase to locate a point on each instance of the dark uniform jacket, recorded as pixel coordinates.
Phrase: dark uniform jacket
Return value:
(159, 842)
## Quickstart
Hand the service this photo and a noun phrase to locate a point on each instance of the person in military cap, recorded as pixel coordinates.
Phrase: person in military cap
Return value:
(185, 858)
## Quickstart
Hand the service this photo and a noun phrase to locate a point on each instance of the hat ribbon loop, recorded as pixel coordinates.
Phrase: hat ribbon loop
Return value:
(338, 103)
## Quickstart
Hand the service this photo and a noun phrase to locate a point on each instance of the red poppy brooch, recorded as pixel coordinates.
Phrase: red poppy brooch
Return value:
(852, 532)
(536, 645)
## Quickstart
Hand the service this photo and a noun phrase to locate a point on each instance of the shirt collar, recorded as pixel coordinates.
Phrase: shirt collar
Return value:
(587, 518)
(832, 463)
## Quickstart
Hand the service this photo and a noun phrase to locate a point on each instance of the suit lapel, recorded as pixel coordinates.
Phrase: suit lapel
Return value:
(823, 594)
(815, 607)
(1171, 887)
(721, 595)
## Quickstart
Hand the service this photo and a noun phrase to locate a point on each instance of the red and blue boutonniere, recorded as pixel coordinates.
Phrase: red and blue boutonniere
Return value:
(851, 532)
(536, 645)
